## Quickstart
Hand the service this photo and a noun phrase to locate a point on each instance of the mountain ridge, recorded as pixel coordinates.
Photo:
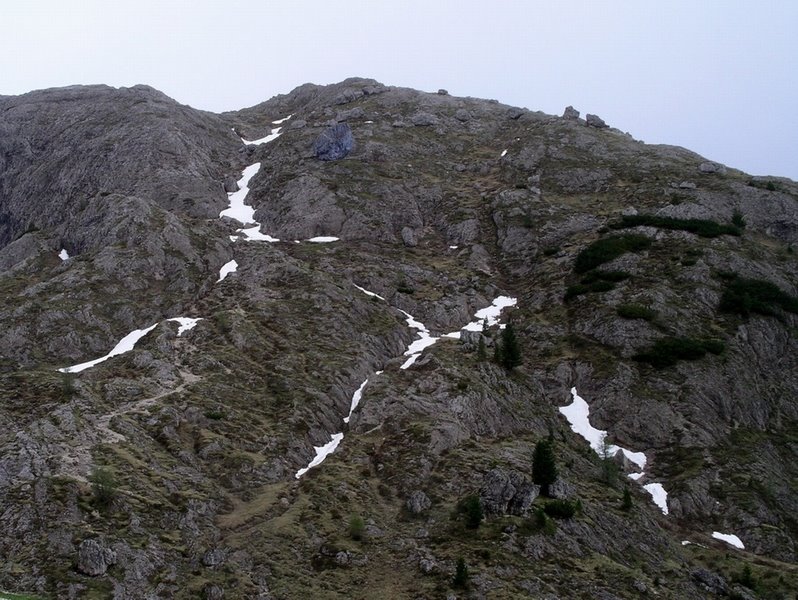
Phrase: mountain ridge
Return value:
(442, 205)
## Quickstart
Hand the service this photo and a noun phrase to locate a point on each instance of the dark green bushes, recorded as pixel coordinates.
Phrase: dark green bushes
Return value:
(635, 311)
(666, 352)
(544, 467)
(702, 227)
(562, 509)
(745, 296)
(471, 507)
(596, 282)
(607, 249)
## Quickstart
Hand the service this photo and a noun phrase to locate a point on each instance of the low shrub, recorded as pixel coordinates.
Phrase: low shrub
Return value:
(745, 296)
(701, 227)
(590, 288)
(606, 249)
(614, 276)
(562, 509)
(666, 352)
(635, 311)
(357, 527)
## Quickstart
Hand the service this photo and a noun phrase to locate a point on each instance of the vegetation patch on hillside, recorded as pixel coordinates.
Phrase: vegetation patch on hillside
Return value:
(667, 351)
(635, 311)
(702, 227)
(607, 249)
(744, 296)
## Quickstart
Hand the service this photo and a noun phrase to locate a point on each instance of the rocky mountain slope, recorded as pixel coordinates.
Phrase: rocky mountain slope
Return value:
(658, 286)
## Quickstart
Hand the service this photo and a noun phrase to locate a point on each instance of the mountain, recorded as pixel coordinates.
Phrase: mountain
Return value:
(433, 305)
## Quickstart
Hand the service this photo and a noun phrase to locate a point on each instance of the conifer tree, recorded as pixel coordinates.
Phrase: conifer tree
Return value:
(461, 574)
(544, 467)
(511, 351)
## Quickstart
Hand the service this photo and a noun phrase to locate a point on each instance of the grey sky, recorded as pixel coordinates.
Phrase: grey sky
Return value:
(718, 77)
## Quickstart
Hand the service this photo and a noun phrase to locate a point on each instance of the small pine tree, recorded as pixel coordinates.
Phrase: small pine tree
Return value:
(511, 351)
(544, 467)
(473, 511)
(626, 503)
(103, 486)
(461, 574)
(609, 468)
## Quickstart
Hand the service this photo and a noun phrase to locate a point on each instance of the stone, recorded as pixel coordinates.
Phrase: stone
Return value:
(711, 582)
(342, 558)
(570, 113)
(213, 592)
(462, 115)
(418, 502)
(213, 557)
(561, 490)
(335, 143)
(687, 185)
(595, 121)
(423, 119)
(515, 113)
(353, 113)
(94, 559)
(711, 167)
(409, 237)
(443, 92)
(230, 185)
(427, 566)
(506, 493)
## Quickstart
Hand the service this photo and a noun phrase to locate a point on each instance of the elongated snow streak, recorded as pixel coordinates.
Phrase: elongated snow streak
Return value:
(185, 324)
(729, 538)
(273, 135)
(659, 495)
(281, 121)
(227, 268)
(577, 413)
(368, 293)
(355, 400)
(238, 210)
(126, 344)
(323, 239)
(322, 452)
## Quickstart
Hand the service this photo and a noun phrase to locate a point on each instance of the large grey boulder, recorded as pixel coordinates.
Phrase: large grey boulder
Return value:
(595, 121)
(334, 143)
(507, 492)
(94, 559)
(570, 113)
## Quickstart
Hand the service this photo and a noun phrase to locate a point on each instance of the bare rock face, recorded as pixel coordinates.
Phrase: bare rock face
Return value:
(335, 143)
(94, 559)
(418, 502)
(507, 493)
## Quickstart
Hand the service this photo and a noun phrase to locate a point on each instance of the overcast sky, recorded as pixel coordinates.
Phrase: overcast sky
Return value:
(718, 77)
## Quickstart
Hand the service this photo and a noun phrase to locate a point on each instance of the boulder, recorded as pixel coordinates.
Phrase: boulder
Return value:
(94, 559)
(711, 167)
(596, 121)
(213, 557)
(334, 143)
(571, 113)
(230, 185)
(443, 92)
(506, 493)
(418, 502)
(409, 237)
(213, 592)
(562, 490)
(423, 119)
(427, 565)
(462, 115)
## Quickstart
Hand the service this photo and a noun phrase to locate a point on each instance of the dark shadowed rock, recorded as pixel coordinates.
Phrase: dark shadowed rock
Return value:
(334, 143)
(595, 121)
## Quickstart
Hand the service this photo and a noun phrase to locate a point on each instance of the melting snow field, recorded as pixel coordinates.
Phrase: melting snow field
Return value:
(185, 324)
(126, 344)
(729, 538)
(63, 255)
(238, 210)
(322, 452)
(227, 268)
(577, 413)
(356, 400)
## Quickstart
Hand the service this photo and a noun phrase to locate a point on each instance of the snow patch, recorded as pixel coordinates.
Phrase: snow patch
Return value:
(323, 239)
(238, 210)
(63, 255)
(273, 135)
(185, 324)
(126, 344)
(490, 313)
(368, 293)
(659, 495)
(322, 452)
(253, 234)
(452, 247)
(281, 121)
(227, 268)
(729, 538)
(504, 153)
(355, 400)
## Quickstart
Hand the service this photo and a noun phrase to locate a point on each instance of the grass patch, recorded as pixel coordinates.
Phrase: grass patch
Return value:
(666, 352)
(701, 227)
(607, 249)
(635, 311)
(745, 296)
